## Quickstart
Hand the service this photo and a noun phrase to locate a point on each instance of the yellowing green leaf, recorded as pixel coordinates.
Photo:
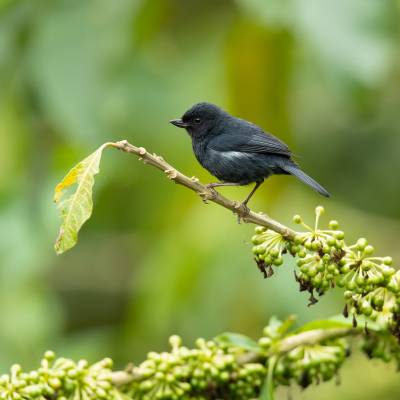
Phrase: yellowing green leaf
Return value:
(237, 340)
(76, 208)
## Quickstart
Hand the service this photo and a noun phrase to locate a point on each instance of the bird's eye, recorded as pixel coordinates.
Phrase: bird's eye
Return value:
(197, 120)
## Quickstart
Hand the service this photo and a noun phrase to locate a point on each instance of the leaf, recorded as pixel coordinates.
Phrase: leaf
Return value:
(325, 324)
(286, 324)
(339, 321)
(77, 208)
(237, 340)
(277, 328)
(268, 389)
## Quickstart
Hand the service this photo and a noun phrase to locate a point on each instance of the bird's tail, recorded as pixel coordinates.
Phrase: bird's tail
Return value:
(295, 170)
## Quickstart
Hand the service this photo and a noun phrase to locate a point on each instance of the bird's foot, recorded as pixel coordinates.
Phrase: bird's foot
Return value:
(243, 206)
(211, 186)
(213, 192)
(242, 211)
(210, 194)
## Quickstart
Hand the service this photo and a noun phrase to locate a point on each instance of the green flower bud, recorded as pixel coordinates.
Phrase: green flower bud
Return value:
(329, 276)
(73, 373)
(320, 267)
(101, 393)
(334, 225)
(308, 245)
(298, 239)
(326, 249)
(387, 271)
(332, 241)
(344, 269)
(331, 268)
(317, 280)
(278, 261)
(259, 230)
(325, 285)
(297, 219)
(319, 210)
(268, 260)
(274, 252)
(55, 383)
(339, 235)
(361, 244)
(224, 376)
(302, 254)
(369, 250)
(47, 390)
(175, 341)
(351, 284)
(388, 260)
(160, 376)
(348, 294)
(34, 390)
(49, 355)
(265, 342)
(360, 280)
(312, 271)
(260, 249)
(366, 308)
(316, 245)
(376, 278)
(82, 364)
(394, 283)
(378, 300)
(341, 282)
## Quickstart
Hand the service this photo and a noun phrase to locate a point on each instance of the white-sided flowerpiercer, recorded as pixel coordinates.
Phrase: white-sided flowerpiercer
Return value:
(236, 151)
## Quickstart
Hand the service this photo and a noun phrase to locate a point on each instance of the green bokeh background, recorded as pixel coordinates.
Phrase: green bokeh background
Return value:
(154, 260)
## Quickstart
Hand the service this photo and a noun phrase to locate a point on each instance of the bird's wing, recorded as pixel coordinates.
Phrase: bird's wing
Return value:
(254, 140)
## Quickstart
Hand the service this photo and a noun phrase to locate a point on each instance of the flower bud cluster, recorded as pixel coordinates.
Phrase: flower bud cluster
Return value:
(307, 363)
(372, 286)
(62, 379)
(208, 371)
(230, 367)
(324, 260)
(269, 248)
(383, 346)
(312, 364)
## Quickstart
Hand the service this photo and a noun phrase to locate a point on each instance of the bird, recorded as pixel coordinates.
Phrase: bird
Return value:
(238, 152)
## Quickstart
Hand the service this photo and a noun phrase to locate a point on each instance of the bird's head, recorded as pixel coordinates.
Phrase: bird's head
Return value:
(200, 119)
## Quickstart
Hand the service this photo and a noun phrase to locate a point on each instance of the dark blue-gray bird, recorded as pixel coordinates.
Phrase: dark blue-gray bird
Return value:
(236, 151)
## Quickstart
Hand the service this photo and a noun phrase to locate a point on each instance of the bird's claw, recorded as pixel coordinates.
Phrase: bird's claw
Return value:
(211, 194)
(246, 210)
(242, 211)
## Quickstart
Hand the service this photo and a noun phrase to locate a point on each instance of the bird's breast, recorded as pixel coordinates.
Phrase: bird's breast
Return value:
(199, 149)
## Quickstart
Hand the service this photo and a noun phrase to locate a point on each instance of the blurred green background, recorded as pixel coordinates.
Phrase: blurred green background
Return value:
(154, 260)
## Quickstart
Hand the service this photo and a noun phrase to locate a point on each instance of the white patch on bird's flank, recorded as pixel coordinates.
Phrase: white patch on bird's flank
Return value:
(233, 154)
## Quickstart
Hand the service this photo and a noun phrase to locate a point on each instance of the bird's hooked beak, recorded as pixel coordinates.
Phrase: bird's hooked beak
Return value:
(179, 123)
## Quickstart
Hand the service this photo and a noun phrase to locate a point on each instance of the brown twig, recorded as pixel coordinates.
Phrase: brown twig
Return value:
(203, 191)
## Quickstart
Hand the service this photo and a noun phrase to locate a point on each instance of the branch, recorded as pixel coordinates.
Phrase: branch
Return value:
(121, 378)
(314, 337)
(203, 191)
